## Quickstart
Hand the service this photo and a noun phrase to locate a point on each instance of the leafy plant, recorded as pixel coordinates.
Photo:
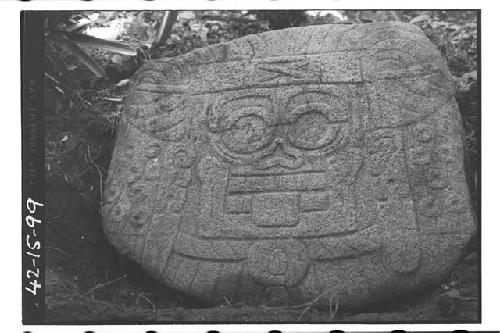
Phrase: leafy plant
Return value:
(61, 35)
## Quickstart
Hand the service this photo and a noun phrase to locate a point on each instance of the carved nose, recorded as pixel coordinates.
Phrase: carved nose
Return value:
(282, 156)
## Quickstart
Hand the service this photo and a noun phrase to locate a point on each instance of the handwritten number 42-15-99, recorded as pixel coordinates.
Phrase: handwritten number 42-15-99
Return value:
(34, 246)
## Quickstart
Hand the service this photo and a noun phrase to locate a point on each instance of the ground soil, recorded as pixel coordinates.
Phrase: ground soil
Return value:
(87, 281)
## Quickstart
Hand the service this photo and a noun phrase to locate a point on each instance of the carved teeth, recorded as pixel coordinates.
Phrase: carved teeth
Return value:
(255, 183)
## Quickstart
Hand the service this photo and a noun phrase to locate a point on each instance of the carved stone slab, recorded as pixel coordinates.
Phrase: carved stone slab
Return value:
(279, 167)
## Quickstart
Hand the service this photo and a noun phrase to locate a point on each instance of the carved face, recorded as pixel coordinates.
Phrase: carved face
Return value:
(275, 153)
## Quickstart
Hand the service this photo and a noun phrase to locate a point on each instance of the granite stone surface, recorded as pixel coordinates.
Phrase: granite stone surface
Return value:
(280, 167)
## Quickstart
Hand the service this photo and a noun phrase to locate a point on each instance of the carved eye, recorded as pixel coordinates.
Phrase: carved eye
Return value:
(247, 134)
(312, 130)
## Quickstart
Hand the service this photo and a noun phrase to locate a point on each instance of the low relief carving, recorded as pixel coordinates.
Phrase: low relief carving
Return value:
(281, 262)
(430, 206)
(183, 157)
(272, 71)
(291, 170)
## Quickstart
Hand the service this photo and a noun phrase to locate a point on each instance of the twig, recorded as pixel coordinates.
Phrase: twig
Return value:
(228, 302)
(141, 295)
(51, 78)
(98, 169)
(99, 43)
(310, 304)
(396, 15)
(332, 315)
(60, 65)
(468, 299)
(113, 99)
(229, 19)
(146, 54)
(62, 251)
(169, 18)
(81, 172)
(100, 285)
(77, 52)
(297, 306)
(330, 306)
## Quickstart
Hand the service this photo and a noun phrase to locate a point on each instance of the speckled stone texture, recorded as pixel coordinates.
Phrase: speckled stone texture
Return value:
(280, 167)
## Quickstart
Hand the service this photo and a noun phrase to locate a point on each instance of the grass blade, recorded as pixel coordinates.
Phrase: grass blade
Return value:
(74, 49)
(100, 43)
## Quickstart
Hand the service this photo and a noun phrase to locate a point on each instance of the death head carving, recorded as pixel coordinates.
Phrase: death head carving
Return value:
(324, 160)
(277, 129)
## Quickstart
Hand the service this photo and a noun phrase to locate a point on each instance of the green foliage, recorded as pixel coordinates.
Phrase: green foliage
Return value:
(61, 35)
(456, 37)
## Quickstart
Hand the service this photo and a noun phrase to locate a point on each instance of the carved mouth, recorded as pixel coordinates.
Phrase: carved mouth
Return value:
(291, 162)
(277, 200)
